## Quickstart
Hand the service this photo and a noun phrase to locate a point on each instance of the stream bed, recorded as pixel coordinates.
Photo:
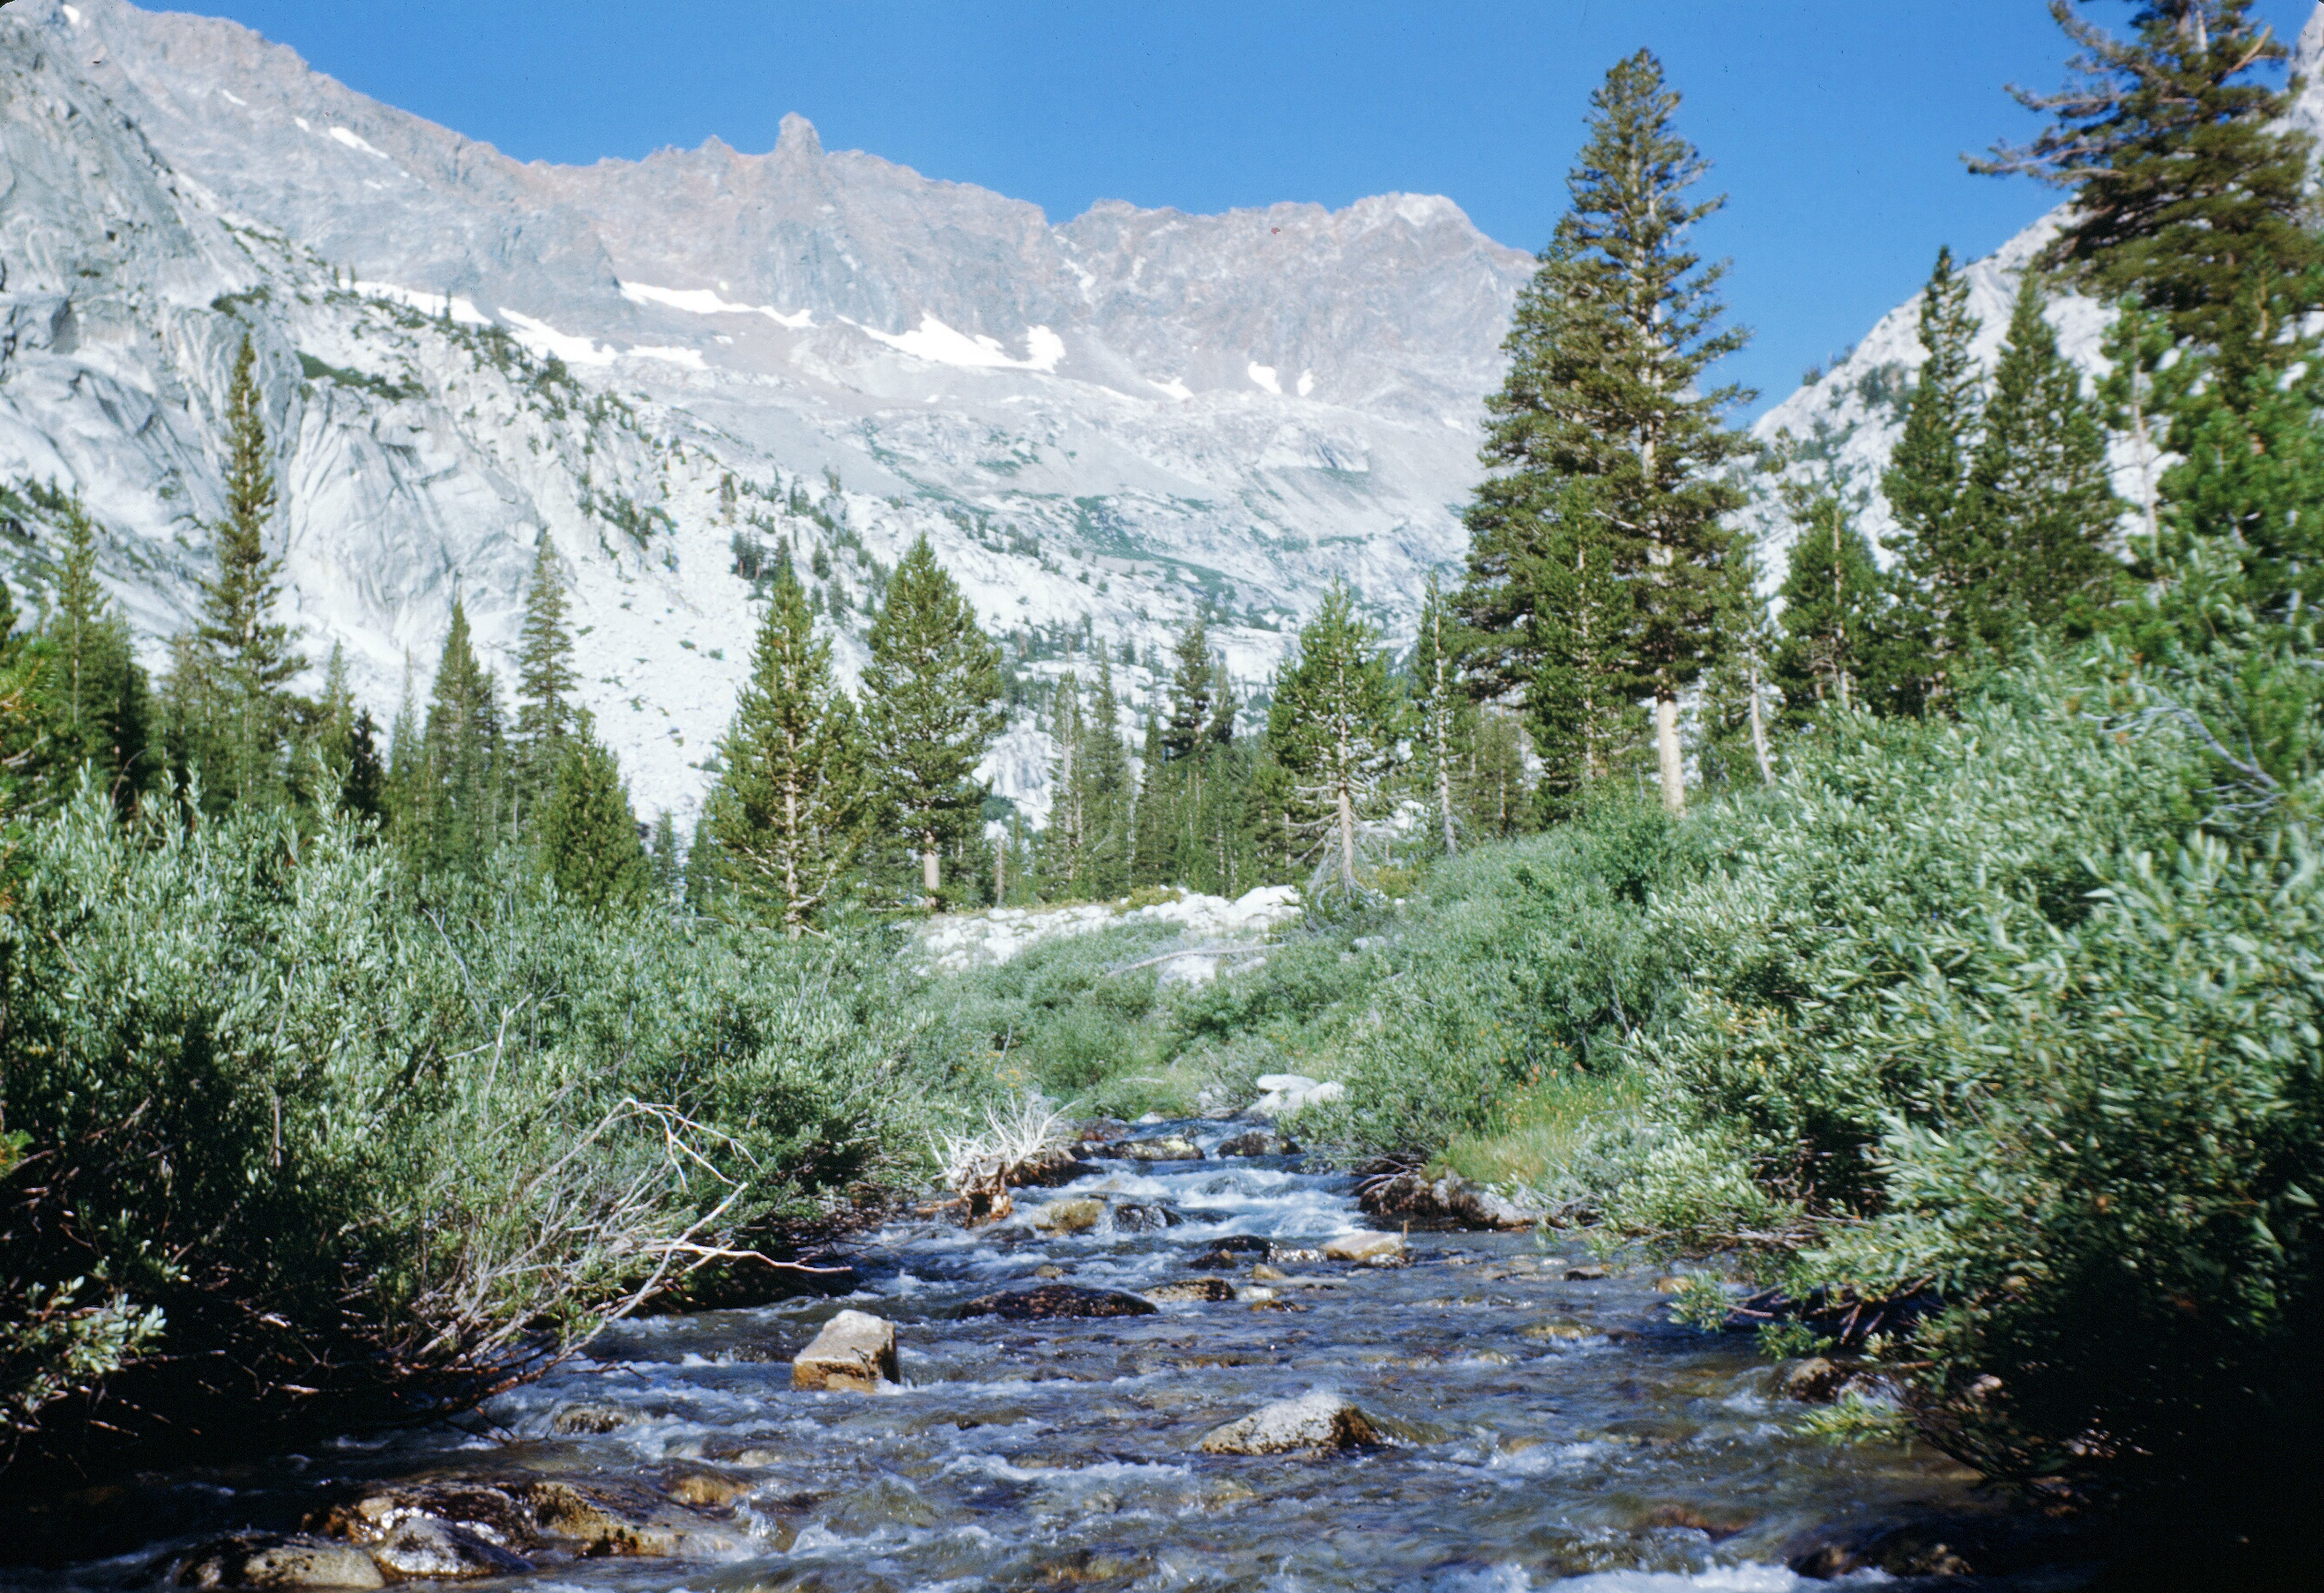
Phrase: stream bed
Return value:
(1540, 1428)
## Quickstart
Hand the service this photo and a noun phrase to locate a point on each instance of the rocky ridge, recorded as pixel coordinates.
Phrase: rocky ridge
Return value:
(669, 368)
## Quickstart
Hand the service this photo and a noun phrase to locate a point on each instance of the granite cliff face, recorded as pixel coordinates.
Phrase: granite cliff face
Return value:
(669, 367)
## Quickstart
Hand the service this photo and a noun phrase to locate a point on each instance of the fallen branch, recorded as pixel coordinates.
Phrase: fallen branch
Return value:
(1189, 952)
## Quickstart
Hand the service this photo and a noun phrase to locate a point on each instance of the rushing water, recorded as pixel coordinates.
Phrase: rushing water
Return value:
(1548, 1428)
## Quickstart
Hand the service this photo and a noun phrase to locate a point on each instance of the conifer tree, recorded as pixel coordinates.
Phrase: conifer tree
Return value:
(1332, 727)
(588, 835)
(2044, 502)
(545, 681)
(792, 808)
(931, 708)
(1443, 717)
(1063, 844)
(1497, 802)
(405, 755)
(249, 654)
(1107, 799)
(1831, 614)
(2190, 189)
(1190, 694)
(93, 698)
(1151, 817)
(666, 871)
(1608, 349)
(1586, 675)
(458, 800)
(1926, 485)
(363, 785)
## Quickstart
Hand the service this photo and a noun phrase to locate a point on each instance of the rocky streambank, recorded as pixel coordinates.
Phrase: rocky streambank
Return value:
(1188, 1362)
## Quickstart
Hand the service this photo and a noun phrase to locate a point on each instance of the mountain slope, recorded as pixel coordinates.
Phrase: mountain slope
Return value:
(669, 366)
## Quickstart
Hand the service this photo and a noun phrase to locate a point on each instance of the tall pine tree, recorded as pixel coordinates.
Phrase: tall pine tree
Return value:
(792, 808)
(1334, 728)
(2042, 496)
(247, 653)
(1833, 601)
(932, 707)
(2189, 189)
(461, 773)
(1609, 348)
(1444, 718)
(588, 835)
(1926, 485)
(93, 697)
(545, 681)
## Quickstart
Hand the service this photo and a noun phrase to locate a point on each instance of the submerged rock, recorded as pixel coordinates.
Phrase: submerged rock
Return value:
(1144, 1217)
(1230, 1251)
(1373, 1249)
(574, 1420)
(1161, 1147)
(1058, 1300)
(1317, 1423)
(854, 1350)
(270, 1561)
(611, 1518)
(1258, 1142)
(1193, 1288)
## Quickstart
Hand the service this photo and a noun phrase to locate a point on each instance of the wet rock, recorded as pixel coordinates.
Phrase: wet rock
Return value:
(1589, 1274)
(1451, 1201)
(1076, 1216)
(1161, 1147)
(1048, 1269)
(1373, 1249)
(1104, 1131)
(611, 1519)
(422, 1546)
(1193, 1288)
(1229, 1251)
(1715, 1522)
(1093, 1568)
(270, 1561)
(1134, 1217)
(1314, 1423)
(490, 1513)
(1048, 1167)
(1257, 1142)
(705, 1487)
(1813, 1381)
(1256, 1294)
(854, 1350)
(574, 1420)
(1297, 1254)
(883, 1502)
(1563, 1330)
(1058, 1300)
(1264, 1274)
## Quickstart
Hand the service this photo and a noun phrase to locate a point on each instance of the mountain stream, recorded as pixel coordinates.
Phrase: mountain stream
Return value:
(1534, 1426)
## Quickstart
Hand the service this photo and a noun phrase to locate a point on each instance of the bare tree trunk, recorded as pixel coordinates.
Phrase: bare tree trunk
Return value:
(1444, 798)
(931, 867)
(1759, 733)
(1347, 839)
(1000, 872)
(1673, 769)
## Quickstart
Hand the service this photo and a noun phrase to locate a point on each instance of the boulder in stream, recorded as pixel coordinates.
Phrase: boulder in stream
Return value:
(273, 1561)
(1161, 1147)
(1193, 1288)
(1313, 1423)
(1258, 1142)
(1450, 1201)
(1372, 1250)
(1073, 1216)
(854, 1350)
(1058, 1300)
(422, 1546)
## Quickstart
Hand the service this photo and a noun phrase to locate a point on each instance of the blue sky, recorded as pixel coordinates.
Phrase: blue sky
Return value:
(1836, 125)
